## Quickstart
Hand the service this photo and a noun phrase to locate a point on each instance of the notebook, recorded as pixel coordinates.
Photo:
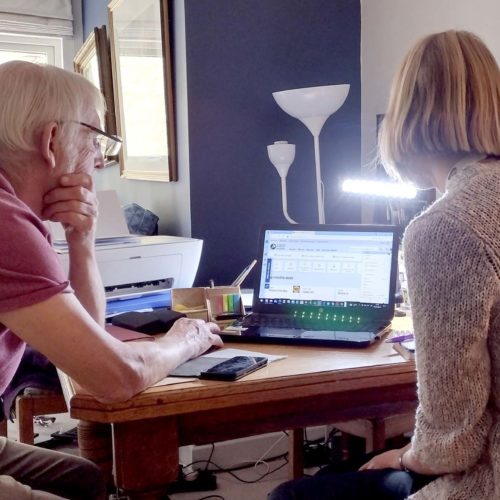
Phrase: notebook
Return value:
(322, 285)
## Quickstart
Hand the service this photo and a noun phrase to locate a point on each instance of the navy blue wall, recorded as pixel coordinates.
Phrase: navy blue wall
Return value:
(238, 53)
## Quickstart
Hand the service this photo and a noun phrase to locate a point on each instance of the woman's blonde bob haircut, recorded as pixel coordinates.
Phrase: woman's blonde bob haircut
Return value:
(445, 98)
(33, 95)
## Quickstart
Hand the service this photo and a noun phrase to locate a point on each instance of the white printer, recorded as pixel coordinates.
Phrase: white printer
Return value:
(134, 265)
(147, 263)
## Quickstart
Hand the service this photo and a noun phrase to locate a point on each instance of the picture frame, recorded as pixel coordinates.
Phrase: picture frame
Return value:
(93, 61)
(143, 88)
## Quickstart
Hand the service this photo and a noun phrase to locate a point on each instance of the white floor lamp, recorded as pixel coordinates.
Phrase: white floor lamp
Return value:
(312, 106)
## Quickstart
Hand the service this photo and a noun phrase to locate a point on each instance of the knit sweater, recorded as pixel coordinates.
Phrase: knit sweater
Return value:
(452, 256)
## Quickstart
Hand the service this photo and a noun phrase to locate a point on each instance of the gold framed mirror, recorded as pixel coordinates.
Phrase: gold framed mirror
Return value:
(93, 61)
(143, 91)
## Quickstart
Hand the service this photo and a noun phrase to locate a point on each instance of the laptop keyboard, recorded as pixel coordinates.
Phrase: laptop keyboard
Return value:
(336, 322)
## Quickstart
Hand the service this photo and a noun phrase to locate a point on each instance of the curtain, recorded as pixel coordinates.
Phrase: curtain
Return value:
(47, 17)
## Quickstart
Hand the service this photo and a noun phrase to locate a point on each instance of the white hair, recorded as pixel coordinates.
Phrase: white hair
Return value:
(33, 95)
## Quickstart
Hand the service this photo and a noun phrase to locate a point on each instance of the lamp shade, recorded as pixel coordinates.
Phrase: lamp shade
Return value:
(281, 155)
(312, 105)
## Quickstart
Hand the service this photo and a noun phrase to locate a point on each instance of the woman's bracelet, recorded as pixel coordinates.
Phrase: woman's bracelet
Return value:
(402, 466)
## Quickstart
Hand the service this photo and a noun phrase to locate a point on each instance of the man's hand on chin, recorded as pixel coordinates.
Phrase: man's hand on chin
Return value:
(74, 204)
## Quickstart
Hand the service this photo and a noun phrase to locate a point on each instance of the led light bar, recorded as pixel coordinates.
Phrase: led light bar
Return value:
(380, 188)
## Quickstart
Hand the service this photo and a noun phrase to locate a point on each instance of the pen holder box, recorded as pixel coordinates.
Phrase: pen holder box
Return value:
(190, 301)
(224, 304)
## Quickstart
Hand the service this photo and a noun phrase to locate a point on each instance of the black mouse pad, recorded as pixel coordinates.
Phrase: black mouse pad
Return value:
(150, 322)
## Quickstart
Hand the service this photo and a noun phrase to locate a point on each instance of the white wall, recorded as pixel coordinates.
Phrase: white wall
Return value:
(169, 200)
(390, 27)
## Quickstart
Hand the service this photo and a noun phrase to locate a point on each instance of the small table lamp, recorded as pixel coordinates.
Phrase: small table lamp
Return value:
(312, 106)
(281, 155)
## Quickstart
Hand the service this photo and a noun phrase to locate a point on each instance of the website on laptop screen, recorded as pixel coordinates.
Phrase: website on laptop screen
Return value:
(327, 268)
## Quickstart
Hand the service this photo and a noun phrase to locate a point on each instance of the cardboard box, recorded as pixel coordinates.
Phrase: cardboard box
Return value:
(224, 304)
(191, 302)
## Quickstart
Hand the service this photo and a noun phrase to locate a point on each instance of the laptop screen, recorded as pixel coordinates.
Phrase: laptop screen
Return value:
(338, 267)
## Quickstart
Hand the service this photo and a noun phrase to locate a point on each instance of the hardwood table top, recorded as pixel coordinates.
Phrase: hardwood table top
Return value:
(306, 371)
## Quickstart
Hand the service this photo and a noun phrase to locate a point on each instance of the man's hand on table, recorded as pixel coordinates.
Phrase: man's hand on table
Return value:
(196, 334)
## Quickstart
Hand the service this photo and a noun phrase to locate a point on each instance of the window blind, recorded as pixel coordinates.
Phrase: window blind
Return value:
(48, 17)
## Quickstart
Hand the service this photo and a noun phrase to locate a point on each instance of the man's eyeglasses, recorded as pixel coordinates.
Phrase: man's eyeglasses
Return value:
(110, 144)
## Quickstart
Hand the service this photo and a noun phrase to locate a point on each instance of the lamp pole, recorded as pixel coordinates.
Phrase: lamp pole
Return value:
(319, 182)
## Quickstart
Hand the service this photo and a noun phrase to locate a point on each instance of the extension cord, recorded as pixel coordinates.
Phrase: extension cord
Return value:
(204, 481)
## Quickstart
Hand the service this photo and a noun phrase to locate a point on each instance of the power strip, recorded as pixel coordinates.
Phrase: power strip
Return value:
(203, 480)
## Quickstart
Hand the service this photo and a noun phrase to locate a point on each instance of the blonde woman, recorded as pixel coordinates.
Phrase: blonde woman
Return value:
(442, 130)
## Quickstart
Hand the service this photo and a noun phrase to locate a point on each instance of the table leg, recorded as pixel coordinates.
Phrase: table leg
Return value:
(378, 434)
(94, 442)
(296, 453)
(145, 457)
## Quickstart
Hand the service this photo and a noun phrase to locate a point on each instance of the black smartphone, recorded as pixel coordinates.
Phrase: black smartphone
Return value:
(234, 368)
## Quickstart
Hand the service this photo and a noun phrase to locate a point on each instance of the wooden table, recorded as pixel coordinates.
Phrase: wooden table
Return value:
(312, 386)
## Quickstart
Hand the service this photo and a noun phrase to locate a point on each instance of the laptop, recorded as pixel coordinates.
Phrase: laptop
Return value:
(327, 285)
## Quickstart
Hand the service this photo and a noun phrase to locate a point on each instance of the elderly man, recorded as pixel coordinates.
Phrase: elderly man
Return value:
(50, 143)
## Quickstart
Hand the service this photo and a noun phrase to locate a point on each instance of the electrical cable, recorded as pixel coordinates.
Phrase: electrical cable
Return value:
(211, 455)
(246, 464)
(261, 459)
(187, 474)
(240, 466)
(231, 473)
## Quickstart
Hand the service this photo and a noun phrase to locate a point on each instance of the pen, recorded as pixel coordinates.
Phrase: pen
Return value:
(401, 338)
(241, 277)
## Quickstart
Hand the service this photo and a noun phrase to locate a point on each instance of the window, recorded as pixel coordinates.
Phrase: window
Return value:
(35, 49)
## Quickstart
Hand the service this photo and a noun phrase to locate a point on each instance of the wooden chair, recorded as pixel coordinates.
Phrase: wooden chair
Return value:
(375, 431)
(31, 405)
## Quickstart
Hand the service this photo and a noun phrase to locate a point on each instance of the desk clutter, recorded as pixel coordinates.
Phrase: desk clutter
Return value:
(405, 348)
(403, 341)
(221, 304)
